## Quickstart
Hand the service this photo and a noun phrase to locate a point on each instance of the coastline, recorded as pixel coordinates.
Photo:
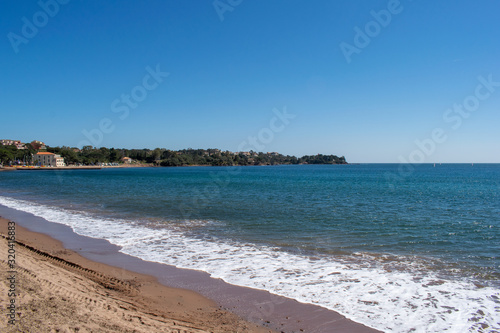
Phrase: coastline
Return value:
(257, 306)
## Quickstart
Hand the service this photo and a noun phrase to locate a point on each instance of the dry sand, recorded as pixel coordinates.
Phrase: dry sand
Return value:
(57, 290)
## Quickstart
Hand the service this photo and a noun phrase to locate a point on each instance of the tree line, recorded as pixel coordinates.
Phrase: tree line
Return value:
(89, 155)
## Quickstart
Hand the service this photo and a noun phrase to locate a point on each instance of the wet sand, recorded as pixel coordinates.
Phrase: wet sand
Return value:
(206, 303)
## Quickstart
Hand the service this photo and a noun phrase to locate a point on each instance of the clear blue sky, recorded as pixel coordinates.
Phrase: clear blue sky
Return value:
(230, 66)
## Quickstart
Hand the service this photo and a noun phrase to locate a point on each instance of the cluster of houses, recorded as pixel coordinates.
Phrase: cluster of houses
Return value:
(19, 145)
(40, 158)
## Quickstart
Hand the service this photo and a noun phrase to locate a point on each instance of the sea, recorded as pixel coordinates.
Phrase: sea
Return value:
(400, 248)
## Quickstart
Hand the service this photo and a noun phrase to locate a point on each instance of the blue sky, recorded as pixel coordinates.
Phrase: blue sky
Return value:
(230, 63)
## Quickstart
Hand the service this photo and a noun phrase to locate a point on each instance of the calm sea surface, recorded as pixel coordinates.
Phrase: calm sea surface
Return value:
(393, 248)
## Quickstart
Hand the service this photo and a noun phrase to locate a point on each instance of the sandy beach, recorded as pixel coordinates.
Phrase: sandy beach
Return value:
(60, 291)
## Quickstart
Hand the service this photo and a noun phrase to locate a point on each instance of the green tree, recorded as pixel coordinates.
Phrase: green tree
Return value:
(6, 156)
(70, 156)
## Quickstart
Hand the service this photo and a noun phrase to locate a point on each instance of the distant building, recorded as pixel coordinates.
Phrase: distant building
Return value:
(49, 159)
(126, 160)
(213, 152)
(20, 145)
(7, 142)
(38, 145)
(248, 153)
(17, 143)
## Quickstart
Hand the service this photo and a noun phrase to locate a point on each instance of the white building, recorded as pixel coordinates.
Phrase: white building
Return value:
(7, 142)
(17, 143)
(49, 159)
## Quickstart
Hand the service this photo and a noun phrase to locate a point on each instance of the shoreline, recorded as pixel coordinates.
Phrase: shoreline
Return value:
(257, 306)
(126, 166)
(115, 300)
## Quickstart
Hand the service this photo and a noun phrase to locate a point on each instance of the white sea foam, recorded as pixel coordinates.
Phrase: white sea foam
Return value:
(396, 301)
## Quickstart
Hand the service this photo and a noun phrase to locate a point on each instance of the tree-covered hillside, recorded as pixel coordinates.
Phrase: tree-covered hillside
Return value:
(164, 157)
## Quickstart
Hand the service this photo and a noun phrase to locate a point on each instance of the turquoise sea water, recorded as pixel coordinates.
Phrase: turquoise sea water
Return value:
(411, 249)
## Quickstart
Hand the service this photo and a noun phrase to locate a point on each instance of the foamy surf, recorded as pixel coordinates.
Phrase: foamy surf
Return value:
(409, 300)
